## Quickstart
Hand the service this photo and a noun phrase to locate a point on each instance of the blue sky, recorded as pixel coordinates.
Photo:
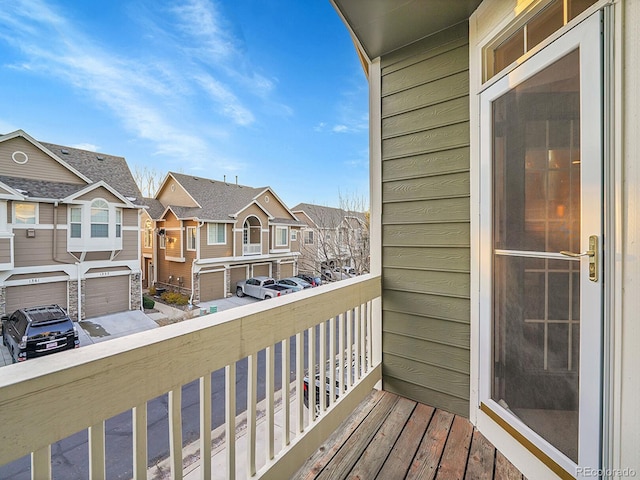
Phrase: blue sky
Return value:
(269, 90)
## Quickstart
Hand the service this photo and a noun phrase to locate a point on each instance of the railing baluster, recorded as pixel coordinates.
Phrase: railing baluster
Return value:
(356, 342)
(332, 360)
(350, 365)
(252, 384)
(369, 338)
(312, 373)
(97, 464)
(175, 432)
(230, 416)
(269, 388)
(140, 453)
(363, 340)
(41, 464)
(341, 365)
(205, 427)
(323, 367)
(300, 380)
(286, 398)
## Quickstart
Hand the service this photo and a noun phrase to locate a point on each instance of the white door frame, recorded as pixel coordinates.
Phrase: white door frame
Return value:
(586, 36)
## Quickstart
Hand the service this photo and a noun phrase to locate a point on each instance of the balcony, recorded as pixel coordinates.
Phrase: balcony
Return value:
(368, 433)
(95, 383)
(252, 249)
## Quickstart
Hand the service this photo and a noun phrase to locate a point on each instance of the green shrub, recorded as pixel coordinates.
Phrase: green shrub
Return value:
(175, 298)
(148, 303)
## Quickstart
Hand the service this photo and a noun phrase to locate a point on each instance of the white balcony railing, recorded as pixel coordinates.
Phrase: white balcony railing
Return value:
(252, 249)
(48, 399)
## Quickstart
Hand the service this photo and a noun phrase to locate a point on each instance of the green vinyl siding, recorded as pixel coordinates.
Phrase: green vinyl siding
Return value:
(425, 220)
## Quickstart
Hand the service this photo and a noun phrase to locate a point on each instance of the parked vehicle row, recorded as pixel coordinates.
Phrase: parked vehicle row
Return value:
(261, 287)
(336, 274)
(314, 280)
(37, 331)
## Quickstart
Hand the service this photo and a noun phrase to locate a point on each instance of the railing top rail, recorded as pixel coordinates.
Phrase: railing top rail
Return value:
(99, 381)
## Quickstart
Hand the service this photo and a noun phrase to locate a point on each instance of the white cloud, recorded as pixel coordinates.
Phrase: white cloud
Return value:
(150, 97)
(230, 105)
(340, 128)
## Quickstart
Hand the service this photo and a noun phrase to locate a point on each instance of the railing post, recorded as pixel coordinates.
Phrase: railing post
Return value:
(205, 427)
(311, 390)
(140, 454)
(252, 367)
(332, 360)
(230, 417)
(286, 412)
(323, 367)
(97, 464)
(300, 380)
(341, 365)
(269, 388)
(175, 432)
(41, 464)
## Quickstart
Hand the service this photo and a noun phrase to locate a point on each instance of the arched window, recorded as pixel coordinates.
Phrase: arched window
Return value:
(148, 234)
(251, 236)
(99, 219)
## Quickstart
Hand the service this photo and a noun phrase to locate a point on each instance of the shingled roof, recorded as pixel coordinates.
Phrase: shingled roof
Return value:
(41, 188)
(91, 166)
(155, 208)
(327, 217)
(219, 201)
(111, 169)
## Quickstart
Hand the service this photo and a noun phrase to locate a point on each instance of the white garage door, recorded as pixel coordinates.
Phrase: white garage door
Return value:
(211, 286)
(106, 295)
(34, 295)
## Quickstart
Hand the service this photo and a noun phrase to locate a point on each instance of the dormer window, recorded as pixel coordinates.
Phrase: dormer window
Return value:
(99, 219)
(25, 213)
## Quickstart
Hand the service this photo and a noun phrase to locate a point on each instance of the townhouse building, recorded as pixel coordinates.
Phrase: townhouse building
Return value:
(332, 238)
(203, 236)
(69, 223)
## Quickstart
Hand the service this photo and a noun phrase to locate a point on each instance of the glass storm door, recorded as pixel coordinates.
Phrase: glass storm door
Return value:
(541, 249)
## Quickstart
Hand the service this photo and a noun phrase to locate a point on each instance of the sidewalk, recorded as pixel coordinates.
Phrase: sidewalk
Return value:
(191, 452)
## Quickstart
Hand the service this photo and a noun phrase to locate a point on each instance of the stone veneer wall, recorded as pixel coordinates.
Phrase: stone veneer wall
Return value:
(83, 286)
(136, 291)
(196, 288)
(3, 302)
(73, 300)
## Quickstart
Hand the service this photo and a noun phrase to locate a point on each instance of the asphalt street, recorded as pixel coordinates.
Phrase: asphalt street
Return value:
(70, 456)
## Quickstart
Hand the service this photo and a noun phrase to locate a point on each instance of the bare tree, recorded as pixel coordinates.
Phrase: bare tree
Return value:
(148, 179)
(336, 237)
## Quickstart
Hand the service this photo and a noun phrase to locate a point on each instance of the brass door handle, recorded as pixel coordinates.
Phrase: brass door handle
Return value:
(592, 253)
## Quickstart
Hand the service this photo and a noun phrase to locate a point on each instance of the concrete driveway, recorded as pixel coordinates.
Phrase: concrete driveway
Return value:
(103, 328)
(100, 329)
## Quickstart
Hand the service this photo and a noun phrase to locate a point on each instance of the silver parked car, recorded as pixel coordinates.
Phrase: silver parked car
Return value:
(295, 283)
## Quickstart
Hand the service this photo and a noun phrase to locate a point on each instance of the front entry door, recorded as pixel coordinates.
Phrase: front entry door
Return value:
(541, 267)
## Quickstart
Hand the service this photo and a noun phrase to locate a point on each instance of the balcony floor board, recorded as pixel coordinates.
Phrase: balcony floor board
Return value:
(391, 437)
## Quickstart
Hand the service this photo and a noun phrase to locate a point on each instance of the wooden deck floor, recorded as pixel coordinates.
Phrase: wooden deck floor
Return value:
(390, 437)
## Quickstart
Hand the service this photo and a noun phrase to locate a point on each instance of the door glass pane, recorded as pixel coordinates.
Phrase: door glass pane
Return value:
(536, 316)
(545, 23)
(536, 138)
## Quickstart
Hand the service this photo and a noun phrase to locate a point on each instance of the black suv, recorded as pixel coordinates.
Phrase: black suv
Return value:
(33, 332)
